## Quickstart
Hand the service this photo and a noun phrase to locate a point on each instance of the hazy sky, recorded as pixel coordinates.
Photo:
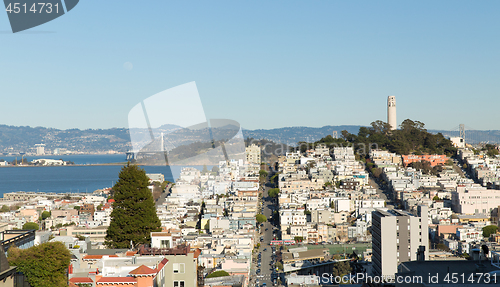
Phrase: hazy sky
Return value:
(265, 64)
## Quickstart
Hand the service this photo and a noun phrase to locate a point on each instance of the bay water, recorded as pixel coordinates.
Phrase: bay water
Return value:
(90, 172)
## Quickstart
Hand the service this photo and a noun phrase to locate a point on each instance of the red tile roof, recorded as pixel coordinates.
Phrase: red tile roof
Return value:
(81, 280)
(142, 270)
(197, 253)
(162, 263)
(154, 234)
(116, 280)
(130, 253)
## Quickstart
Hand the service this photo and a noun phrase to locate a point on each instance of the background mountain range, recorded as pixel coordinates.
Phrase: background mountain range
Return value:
(19, 139)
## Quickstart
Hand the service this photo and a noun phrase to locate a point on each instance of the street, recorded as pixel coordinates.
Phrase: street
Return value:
(265, 250)
(382, 193)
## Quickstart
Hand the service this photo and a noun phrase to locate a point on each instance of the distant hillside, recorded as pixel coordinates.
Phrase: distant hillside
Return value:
(292, 135)
(23, 139)
(15, 139)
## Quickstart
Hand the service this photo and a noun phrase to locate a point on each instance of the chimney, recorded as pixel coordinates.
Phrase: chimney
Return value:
(421, 253)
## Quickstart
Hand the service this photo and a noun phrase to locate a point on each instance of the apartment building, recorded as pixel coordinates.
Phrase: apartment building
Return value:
(433, 159)
(253, 154)
(397, 237)
(383, 157)
(343, 154)
(292, 217)
(474, 199)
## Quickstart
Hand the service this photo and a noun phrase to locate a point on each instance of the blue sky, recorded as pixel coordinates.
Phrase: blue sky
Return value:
(265, 64)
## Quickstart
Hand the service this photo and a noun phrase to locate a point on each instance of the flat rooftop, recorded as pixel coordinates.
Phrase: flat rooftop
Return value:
(444, 267)
(393, 212)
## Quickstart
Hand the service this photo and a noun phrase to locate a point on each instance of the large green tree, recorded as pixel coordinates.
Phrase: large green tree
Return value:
(134, 213)
(488, 230)
(260, 218)
(274, 192)
(45, 214)
(5, 208)
(45, 264)
(341, 269)
(31, 225)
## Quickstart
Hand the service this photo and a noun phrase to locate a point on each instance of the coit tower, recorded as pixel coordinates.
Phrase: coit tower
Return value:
(391, 112)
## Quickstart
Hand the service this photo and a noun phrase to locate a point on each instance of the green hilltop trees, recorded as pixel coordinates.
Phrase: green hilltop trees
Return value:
(134, 213)
(411, 137)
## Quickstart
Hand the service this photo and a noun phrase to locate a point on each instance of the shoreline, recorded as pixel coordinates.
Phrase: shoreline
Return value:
(94, 164)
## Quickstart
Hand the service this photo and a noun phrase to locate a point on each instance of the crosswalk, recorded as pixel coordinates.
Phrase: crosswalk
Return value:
(263, 277)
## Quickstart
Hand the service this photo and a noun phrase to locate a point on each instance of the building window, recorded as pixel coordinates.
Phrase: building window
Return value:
(178, 283)
(165, 244)
(178, 267)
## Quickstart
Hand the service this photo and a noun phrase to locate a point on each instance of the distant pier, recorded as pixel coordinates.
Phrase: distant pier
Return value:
(24, 195)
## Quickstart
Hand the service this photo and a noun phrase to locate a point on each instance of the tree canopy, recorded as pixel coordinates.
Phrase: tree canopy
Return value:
(341, 268)
(426, 167)
(263, 174)
(412, 137)
(44, 264)
(260, 218)
(488, 230)
(31, 225)
(274, 192)
(491, 150)
(218, 273)
(45, 214)
(134, 213)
